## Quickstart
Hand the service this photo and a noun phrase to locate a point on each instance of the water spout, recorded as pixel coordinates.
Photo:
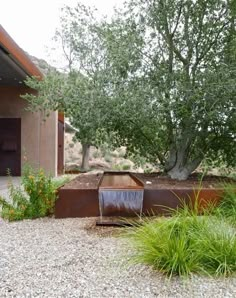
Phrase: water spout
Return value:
(120, 195)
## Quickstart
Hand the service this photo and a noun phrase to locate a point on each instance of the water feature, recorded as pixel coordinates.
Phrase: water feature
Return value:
(120, 195)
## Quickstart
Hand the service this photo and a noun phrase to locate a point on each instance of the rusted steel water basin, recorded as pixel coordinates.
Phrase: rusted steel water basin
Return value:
(120, 195)
(77, 201)
(113, 180)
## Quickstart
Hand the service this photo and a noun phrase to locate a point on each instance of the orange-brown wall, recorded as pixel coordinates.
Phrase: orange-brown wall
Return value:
(38, 137)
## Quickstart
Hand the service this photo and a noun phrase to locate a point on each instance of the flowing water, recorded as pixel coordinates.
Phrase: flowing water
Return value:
(120, 194)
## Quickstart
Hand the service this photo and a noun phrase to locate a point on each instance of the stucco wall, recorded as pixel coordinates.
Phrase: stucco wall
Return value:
(38, 138)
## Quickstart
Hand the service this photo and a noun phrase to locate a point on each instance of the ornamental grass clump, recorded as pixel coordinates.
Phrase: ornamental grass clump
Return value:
(166, 245)
(227, 206)
(185, 243)
(217, 246)
(34, 198)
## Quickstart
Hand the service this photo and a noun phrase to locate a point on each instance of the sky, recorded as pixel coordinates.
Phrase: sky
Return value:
(32, 23)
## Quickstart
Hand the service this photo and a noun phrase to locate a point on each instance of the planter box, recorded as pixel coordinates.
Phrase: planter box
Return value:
(158, 201)
(79, 202)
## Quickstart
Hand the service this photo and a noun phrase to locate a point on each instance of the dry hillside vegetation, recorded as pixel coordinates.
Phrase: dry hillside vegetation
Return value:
(100, 158)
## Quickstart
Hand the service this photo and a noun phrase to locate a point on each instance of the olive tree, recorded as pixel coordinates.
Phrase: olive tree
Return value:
(80, 90)
(174, 99)
(161, 76)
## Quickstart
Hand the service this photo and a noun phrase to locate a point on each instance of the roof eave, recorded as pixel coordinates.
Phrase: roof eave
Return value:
(18, 55)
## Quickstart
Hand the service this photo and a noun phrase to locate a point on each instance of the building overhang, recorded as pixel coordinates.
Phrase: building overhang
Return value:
(15, 64)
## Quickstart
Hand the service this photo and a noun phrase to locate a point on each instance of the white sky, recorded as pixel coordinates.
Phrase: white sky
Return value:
(32, 23)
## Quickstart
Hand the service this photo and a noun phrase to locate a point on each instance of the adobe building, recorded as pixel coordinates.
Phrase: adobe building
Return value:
(23, 133)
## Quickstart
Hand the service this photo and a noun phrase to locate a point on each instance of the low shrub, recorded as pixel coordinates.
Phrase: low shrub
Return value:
(108, 157)
(125, 167)
(217, 245)
(121, 152)
(227, 206)
(35, 197)
(116, 167)
(185, 243)
(166, 245)
(96, 154)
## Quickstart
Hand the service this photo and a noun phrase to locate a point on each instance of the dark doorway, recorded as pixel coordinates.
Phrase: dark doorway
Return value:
(10, 146)
(60, 162)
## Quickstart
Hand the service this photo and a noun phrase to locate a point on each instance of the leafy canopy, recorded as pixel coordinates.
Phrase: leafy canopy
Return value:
(175, 99)
(160, 76)
(79, 91)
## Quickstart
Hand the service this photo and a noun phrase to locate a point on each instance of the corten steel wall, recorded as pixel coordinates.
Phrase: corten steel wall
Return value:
(77, 203)
(85, 203)
(61, 147)
(38, 138)
(162, 201)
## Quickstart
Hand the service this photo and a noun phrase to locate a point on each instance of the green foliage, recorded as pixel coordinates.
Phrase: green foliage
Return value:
(218, 166)
(61, 180)
(121, 152)
(116, 167)
(121, 167)
(108, 157)
(176, 89)
(233, 174)
(138, 160)
(159, 78)
(81, 90)
(148, 170)
(35, 197)
(186, 243)
(125, 167)
(50, 93)
(96, 154)
(217, 245)
(227, 206)
(105, 149)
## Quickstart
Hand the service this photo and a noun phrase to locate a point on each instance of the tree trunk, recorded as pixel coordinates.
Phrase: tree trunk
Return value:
(182, 167)
(179, 173)
(85, 157)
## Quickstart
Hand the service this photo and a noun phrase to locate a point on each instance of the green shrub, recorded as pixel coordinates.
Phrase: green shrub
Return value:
(116, 167)
(104, 149)
(217, 245)
(35, 197)
(61, 180)
(125, 167)
(96, 154)
(185, 243)
(166, 246)
(121, 152)
(147, 170)
(108, 157)
(227, 206)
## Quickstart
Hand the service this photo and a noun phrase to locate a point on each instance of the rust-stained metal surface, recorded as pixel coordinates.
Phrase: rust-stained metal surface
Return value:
(117, 181)
(162, 201)
(18, 55)
(77, 203)
(85, 203)
(120, 195)
(60, 148)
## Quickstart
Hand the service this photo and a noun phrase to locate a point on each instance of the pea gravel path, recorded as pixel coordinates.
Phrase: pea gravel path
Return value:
(62, 258)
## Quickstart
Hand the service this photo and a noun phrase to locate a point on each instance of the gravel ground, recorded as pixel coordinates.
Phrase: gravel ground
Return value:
(65, 258)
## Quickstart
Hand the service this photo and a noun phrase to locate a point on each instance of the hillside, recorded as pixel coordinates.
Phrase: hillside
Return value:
(100, 158)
